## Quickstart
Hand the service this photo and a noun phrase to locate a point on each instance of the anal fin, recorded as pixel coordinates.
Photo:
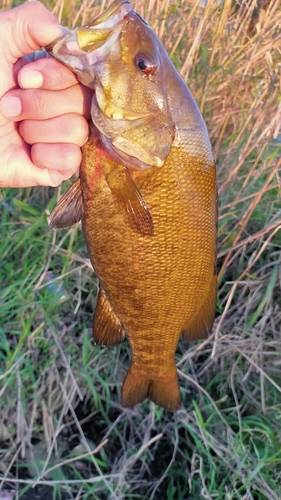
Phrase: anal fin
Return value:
(201, 325)
(131, 202)
(107, 329)
(69, 208)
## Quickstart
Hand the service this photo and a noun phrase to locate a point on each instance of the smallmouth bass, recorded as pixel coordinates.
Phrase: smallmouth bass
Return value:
(147, 199)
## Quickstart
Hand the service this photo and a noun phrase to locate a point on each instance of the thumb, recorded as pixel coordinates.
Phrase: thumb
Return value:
(23, 30)
(27, 28)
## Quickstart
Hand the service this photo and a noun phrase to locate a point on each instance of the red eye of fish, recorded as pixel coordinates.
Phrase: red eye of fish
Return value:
(145, 64)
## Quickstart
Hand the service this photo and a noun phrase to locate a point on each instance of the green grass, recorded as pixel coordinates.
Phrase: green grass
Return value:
(60, 390)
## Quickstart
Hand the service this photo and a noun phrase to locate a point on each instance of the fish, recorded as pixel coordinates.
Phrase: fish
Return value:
(146, 195)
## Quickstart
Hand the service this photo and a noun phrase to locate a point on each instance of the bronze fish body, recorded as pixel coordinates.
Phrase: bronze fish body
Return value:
(147, 199)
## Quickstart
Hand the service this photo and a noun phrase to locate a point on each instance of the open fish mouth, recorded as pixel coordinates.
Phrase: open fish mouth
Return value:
(89, 44)
(93, 35)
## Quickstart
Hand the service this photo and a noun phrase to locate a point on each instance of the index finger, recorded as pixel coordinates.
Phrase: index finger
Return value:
(46, 73)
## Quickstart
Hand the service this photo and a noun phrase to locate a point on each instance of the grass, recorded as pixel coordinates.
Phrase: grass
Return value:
(61, 394)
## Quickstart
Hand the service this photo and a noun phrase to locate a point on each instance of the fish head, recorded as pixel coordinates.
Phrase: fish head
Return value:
(121, 58)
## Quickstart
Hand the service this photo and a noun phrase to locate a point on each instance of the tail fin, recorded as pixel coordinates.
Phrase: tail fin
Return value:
(164, 391)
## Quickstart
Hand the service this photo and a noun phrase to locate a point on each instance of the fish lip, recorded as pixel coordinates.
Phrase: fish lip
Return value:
(94, 34)
(49, 48)
(108, 13)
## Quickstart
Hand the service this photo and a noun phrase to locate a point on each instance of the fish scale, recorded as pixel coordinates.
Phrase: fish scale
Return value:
(162, 267)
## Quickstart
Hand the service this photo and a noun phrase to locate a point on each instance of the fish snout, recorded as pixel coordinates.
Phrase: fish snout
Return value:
(88, 45)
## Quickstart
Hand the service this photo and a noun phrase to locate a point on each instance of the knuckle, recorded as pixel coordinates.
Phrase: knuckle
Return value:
(55, 178)
(72, 156)
(35, 6)
(82, 131)
(76, 129)
(23, 131)
(36, 104)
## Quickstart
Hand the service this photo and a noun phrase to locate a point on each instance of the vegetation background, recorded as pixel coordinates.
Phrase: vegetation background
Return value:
(63, 433)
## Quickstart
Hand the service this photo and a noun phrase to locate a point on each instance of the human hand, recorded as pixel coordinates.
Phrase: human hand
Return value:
(44, 111)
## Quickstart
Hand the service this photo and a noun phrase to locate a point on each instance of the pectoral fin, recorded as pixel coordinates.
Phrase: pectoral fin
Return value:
(130, 200)
(201, 324)
(107, 329)
(69, 208)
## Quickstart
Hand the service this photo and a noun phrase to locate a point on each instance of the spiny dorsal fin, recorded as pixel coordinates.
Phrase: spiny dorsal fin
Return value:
(130, 200)
(69, 208)
(107, 329)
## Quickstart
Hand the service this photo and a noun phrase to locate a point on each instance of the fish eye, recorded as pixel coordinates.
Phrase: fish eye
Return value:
(145, 64)
(142, 64)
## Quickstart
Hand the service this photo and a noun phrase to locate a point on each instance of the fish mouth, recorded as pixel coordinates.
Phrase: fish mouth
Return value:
(88, 44)
(93, 35)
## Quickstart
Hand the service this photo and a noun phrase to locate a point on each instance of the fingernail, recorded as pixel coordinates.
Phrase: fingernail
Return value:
(63, 30)
(10, 106)
(30, 79)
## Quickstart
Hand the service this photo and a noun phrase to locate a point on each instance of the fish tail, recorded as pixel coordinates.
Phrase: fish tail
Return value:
(164, 391)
